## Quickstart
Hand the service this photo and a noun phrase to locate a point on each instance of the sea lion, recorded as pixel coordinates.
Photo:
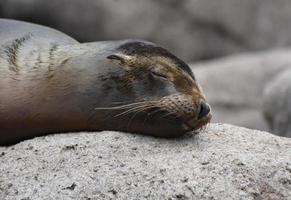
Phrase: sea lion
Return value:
(50, 83)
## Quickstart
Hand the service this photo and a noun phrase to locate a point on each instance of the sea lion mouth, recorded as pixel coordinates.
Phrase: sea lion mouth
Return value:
(193, 124)
(203, 118)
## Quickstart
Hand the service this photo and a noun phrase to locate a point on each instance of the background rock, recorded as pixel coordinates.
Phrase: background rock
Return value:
(277, 104)
(234, 85)
(192, 29)
(223, 162)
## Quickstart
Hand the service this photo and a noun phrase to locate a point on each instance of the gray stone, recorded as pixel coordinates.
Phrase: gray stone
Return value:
(277, 104)
(222, 162)
(193, 30)
(234, 85)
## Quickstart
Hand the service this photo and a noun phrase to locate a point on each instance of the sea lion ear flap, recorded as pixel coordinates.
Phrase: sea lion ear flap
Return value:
(123, 59)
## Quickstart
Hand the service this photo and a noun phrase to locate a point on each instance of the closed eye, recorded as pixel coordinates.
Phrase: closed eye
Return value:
(160, 75)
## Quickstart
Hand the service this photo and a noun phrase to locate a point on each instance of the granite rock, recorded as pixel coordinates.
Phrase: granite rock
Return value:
(221, 162)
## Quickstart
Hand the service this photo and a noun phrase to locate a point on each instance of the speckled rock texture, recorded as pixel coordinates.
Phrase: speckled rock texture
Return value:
(234, 85)
(277, 104)
(222, 162)
(192, 29)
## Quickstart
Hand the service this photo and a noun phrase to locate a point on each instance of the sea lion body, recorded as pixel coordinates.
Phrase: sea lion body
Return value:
(50, 83)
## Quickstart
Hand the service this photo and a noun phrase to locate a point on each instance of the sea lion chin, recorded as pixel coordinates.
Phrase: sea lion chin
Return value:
(50, 83)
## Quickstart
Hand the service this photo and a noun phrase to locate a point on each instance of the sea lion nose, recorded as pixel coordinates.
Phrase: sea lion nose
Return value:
(204, 110)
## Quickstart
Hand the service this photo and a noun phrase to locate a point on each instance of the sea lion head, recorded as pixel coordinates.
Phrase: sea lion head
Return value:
(149, 90)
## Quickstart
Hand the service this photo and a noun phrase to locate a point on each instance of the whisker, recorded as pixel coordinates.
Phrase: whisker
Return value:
(126, 102)
(169, 119)
(129, 122)
(125, 106)
(203, 128)
(135, 109)
(167, 114)
(151, 113)
(137, 112)
(139, 106)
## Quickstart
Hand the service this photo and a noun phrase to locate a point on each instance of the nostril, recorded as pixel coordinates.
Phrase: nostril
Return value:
(204, 110)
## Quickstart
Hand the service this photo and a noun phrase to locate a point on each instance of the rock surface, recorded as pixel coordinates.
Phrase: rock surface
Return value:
(222, 162)
(234, 85)
(277, 104)
(193, 30)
